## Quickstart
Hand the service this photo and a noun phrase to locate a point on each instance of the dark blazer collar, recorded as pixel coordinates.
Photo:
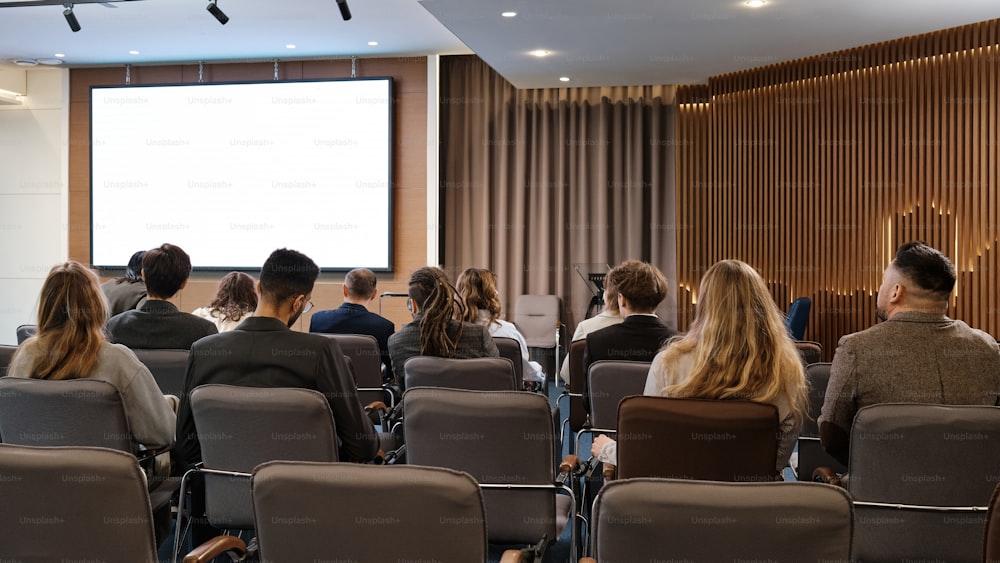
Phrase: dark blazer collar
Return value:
(354, 307)
(158, 306)
(256, 324)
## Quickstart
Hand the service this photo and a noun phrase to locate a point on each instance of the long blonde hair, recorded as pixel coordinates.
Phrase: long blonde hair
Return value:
(740, 345)
(478, 287)
(72, 311)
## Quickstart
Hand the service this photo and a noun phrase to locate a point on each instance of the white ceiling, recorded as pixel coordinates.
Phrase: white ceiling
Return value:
(611, 42)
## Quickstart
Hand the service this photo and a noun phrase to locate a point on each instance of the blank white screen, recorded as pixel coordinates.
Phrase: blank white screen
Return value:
(230, 172)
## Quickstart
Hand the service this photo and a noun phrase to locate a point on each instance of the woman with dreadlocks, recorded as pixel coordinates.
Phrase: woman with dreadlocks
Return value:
(436, 329)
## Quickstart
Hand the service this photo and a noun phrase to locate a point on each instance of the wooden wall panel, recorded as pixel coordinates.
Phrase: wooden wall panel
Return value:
(815, 170)
(409, 161)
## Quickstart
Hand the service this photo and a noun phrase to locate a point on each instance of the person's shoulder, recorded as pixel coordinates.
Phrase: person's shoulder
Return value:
(117, 354)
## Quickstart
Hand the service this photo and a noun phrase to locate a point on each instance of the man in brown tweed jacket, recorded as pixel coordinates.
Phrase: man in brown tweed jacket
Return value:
(916, 355)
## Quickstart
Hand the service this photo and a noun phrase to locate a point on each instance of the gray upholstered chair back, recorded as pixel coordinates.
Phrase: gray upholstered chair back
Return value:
(476, 374)
(643, 519)
(925, 455)
(610, 382)
(168, 367)
(715, 440)
(577, 413)
(991, 539)
(350, 512)
(25, 332)
(242, 427)
(497, 437)
(6, 353)
(810, 352)
(73, 504)
(511, 349)
(811, 452)
(71, 412)
(366, 364)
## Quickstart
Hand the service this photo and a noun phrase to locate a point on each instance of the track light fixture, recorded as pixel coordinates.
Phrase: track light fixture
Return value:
(213, 9)
(345, 11)
(71, 18)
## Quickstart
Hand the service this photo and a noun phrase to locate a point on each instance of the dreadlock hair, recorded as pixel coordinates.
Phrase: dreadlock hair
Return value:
(439, 305)
(478, 287)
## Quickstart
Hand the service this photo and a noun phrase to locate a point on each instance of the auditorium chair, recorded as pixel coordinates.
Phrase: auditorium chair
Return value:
(505, 440)
(241, 427)
(576, 416)
(713, 440)
(539, 319)
(168, 366)
(809, 352)
(811, 453)
(921, 477)
(510, 348)
(477, 374)
(25, 332)
(610, 382)
(6, 353)
(77, 412)
(991, 539)
(683, 520)
(365, 358)
(797, 318)
(396, 513)
(78, 504)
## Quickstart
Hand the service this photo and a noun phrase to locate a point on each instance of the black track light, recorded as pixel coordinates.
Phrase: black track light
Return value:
(213, 9)
(345, 11)
(71, 18)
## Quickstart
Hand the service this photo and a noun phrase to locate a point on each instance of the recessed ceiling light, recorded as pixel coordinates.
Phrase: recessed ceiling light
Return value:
(60, 55)
(540, 53)
(25, 62)
(508, 14)
(50, 62)
(290, 46)
(373, 43)
(755, 3)
(133, 52)
(563, 79)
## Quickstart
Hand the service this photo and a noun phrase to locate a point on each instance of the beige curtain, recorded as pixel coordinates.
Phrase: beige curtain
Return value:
(535, 181)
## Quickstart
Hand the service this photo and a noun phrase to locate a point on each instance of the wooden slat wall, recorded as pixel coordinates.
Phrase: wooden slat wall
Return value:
(815, 170)
(409, 180)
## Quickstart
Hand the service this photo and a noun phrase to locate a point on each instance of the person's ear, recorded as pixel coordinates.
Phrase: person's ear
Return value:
(345, 290)
(183, 285)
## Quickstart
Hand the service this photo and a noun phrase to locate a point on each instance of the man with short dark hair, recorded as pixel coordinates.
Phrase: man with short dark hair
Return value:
(353, 317)
(641, 288)
(916, 355)
(158, 323)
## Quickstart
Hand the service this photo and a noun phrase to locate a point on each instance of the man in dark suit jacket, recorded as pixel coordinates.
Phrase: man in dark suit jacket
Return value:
(641, 289)
(353, 317)
(157, 323)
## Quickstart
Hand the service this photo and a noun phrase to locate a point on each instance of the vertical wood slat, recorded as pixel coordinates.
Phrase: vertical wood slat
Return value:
(900, 145)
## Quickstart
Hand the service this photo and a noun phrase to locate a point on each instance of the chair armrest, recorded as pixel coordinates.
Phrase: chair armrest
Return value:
(609, 472)
(826, 475)
(569, 464)
(215, 547)
(513, 556)
(588, 560)
(376, 406)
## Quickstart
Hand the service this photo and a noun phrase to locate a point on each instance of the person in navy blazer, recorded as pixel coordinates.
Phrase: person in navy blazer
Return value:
(641, 289)
(353, 317)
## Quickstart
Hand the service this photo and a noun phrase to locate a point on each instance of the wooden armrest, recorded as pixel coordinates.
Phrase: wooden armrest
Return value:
(588, 560)
(826, 475)
(215, 547)
(513, 556)
(376, 406)
(569, 463)
(609, 472)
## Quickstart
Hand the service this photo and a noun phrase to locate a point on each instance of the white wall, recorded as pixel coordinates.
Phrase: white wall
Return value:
(34, 179)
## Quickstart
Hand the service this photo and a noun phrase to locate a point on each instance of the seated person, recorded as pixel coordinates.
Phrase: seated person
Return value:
(641, 288)
(608, 316)
(737, 348)
(478, 287)
(128, 291)
(235, 299)
(915, 355)
(70, 344)
(353, 317)
(158, 323)
(434, 330)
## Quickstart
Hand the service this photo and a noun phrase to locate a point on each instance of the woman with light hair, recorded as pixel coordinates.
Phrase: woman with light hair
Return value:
(235, 299)
(737, 348)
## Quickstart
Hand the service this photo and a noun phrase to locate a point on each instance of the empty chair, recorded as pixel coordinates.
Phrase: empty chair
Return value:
(76, 504)
(6, 353)
(576, 416)
(241, 427)
(366, 362)
(506, 441)
(991, 539)
(610, 382)
(715, 440)
(397, 513)
(478, 374)
(168, 366)
(810, 352)
(25, 332)
(811, 452)
(509, 348)
(680, 520)
(921, 477)
(797, 317)
(539, 318)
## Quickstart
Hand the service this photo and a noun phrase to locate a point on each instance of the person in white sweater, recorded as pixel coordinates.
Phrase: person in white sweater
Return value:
(235, 300)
